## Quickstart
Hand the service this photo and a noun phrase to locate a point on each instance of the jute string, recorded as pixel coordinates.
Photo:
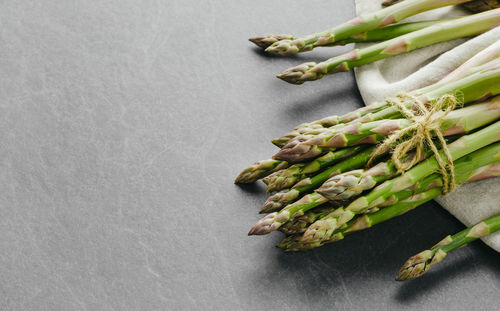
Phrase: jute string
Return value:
(426, 123)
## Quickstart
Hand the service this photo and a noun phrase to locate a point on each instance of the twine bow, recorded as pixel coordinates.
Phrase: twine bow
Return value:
(426, 122)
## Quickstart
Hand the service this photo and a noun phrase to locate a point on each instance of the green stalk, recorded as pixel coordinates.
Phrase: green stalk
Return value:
(360, 24)
(419, 264)
(445, 31)
(379, 34)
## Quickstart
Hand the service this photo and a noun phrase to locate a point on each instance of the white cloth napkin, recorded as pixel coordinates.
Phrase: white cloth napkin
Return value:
(469, 203)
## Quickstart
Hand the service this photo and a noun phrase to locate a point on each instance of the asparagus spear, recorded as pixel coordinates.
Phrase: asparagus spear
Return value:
(445, 31)
(419, 264)
(259, 170)
(301, 223)
(286, 178)
(378, 34)
(360, 24)
(357, 133)
(334, 121)
(479, 165)
(461, 147)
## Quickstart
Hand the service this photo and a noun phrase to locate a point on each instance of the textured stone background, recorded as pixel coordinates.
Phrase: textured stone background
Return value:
(122, 126)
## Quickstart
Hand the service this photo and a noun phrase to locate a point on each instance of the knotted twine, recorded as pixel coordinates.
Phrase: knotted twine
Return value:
(426, 122)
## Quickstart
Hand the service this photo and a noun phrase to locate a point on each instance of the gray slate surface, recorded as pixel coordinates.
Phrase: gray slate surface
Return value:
(122, 126)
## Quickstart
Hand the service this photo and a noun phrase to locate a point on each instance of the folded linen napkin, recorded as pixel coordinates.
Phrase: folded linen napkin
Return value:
(470, 203)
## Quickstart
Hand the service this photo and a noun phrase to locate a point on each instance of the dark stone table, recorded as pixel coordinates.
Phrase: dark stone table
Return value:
(123, 125)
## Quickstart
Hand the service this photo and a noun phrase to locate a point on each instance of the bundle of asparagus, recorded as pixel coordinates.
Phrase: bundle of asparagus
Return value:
(379, 26)
(330, 178)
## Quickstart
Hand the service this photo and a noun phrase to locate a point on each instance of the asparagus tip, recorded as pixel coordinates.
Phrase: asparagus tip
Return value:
(265, 41)
(265, 225)
(296, 74)
(419, 264)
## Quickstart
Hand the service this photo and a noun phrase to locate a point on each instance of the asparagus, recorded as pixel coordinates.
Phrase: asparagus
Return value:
(440, 32)
(360, 24)
(458, 121)
(285, 197)
(488, 58)
(461, 147)
(286, 178)
(357, 133)
(347, 185)
(379, 34)
(259, 170)
(479, 165)
(298, 243)
(476, 86)
(301, 223)
(419, 264)
(334, 121)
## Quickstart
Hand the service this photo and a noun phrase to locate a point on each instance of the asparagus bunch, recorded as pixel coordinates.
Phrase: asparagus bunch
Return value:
(323, 181)
(419, 264)
(324, 228)
(439, 32)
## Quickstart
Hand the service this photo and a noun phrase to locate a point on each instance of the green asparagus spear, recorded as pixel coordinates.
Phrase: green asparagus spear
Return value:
(419, 264)
(360, 24)
(378, 34)
(259, 170)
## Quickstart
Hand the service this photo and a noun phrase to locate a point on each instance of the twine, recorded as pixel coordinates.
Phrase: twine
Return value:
(426, 122)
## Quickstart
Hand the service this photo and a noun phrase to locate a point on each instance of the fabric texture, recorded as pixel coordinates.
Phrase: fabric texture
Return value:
(469, 203)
